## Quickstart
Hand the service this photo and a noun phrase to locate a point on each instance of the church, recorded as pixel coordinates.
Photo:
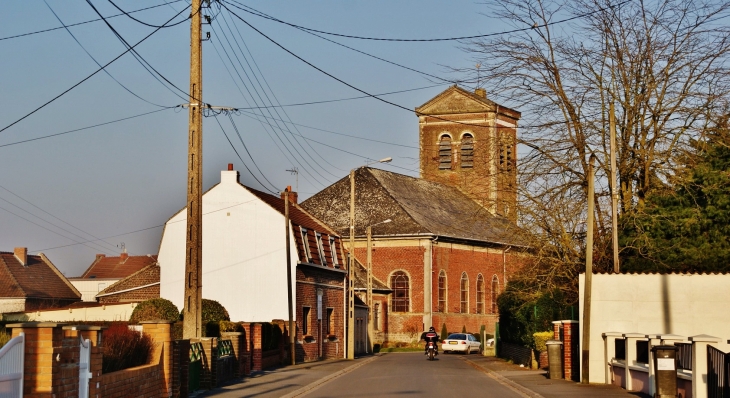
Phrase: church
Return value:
(452, 241)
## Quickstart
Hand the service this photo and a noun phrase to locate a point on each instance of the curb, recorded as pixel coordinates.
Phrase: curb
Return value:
(504, 381)
(311, 386)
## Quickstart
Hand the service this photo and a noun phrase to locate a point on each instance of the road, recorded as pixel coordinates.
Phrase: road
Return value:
(411, 374)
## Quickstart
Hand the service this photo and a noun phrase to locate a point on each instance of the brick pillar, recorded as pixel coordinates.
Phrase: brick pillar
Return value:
(160, 332)
(571, 356)
(40, 339)
(556, 330)
(92, 333)
(256, 347)
(180, 368)
(208, 377)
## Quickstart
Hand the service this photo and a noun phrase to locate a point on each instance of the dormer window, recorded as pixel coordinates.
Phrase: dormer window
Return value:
(305, 244)
(445, 152)
(320, 249)
(467, 151)
(333, 250)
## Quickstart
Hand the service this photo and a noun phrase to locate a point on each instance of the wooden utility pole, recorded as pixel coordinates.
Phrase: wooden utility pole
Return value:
(585, 357)
(369, 292)
(192, 325)
(350, 274)
(292, 330)
(614, 189)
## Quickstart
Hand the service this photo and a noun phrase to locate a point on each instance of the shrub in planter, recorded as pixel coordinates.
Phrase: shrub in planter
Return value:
(124, 348)
(155, 309)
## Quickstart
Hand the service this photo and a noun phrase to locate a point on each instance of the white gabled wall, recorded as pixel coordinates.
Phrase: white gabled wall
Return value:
(244, 254)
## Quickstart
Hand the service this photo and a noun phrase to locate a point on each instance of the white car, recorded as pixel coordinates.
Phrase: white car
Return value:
(460, 342)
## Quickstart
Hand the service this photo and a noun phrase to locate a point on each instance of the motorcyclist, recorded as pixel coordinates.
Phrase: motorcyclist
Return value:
(431, 336)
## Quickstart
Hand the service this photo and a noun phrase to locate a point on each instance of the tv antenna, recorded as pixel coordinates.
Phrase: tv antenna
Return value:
(295, 171)
(478, 65)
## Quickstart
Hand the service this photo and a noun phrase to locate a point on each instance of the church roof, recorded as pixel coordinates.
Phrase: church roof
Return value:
(415, 206)
(455, 100)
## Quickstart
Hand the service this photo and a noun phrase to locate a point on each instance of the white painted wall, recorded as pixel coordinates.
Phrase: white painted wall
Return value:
(89, 288)
(114, 312)
(244, 255)
(11, 305)
(686, 305)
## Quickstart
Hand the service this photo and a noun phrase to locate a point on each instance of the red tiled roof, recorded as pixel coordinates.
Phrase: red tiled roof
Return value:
(117, 267)
(300, 218)
(39, 278)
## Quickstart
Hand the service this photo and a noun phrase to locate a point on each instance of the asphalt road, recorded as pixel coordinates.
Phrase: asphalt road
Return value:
(411, 374)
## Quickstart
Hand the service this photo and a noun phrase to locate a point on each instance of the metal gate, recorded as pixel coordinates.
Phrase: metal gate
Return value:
(12, 357)
(718, 373)
(84, 373)
(195, 368)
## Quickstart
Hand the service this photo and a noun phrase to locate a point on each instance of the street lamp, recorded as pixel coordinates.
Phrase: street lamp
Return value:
(369, 294)
(350, 265)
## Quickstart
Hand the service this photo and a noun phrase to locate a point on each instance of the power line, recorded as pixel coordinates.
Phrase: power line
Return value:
(86, 128)
(85, 22)
(142, 22)
(86, 78)
(535, 26)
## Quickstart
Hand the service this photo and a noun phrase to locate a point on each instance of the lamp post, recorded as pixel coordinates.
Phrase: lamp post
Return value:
(369, 294)
(350, 266)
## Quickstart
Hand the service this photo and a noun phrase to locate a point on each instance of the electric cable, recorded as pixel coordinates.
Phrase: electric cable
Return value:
(86, 78)
(94, 59)
(535, 26)
(85, 22)
(142, 22)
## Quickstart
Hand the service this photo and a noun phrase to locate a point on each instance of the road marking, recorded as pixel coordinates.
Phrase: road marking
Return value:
(523, 391)
(316, 384)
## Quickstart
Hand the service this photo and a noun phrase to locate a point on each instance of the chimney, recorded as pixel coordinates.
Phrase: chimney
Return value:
(293, 197)
(124, 256)
(481, 92)
(22, 254)
(229, 175)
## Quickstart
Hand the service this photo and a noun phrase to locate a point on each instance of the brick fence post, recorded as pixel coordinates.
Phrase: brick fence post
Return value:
(40, 339)
(161, 334)
(180, 368)
(571, 356)
(257, 348)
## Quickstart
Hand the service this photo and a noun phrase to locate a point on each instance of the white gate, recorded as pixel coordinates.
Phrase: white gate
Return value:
(84, 374)
(12, 357)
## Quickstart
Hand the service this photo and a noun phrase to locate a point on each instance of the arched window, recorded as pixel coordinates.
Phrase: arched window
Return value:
(400, 297)
(480, 294)
(464, 293)
(467, 151)
(445, 152)
(442, 292)
(495, 293)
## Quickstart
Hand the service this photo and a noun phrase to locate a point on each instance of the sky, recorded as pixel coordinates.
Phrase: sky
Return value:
(102, 166)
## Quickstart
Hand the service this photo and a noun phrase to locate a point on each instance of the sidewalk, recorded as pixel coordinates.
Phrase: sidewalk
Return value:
(287, 381)
(535, 384)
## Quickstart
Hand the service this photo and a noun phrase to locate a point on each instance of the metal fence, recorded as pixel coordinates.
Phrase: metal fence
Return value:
(684, 355)
(718, 373)
(195, 369)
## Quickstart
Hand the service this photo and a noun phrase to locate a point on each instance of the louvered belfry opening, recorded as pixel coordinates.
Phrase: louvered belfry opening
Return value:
(467, 151)
(445, 153)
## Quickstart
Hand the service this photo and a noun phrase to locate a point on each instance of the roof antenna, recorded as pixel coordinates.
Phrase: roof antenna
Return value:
(123, 247)
(478, 65)
(295, 170)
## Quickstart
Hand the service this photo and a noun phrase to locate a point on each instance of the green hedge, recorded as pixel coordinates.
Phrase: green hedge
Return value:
(540, 339)
(155, 309)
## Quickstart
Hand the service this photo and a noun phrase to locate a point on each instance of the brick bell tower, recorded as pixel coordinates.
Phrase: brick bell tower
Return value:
(469, 142)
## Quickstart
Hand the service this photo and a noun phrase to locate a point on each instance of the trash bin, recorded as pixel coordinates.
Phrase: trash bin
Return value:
(555, 358)
(665, 371)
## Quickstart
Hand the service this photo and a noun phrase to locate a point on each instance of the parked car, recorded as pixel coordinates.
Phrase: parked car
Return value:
(460, 342)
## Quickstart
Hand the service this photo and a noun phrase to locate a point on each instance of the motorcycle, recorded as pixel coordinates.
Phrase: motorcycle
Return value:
(431, 351)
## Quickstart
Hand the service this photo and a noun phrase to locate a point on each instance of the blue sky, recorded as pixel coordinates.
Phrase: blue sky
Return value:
(58, 193)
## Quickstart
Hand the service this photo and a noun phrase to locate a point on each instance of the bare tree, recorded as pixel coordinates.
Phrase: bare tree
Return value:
(663, 64)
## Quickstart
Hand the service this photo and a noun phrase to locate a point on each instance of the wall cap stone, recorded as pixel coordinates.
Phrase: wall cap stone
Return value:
(29, 325)
(704, 338)
(159, 321)
(84, 327)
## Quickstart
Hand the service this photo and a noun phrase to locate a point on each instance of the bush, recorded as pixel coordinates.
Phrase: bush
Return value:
(155, 309)
(520, 316)
(444, 332)
(540, 339)
(4, 338)
(213, 311)
(124, 348)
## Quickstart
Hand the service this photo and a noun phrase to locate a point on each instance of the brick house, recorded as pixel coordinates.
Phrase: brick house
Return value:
(105, 271)
(245, 264)
(32, 282)
(140, 286)
(453, 242)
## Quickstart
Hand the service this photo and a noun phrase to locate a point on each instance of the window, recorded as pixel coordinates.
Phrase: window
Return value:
(464, 309)
(305, 244)
(333, 250)
(442, 292)
(329, 321)
(400, 297)
(305, 321)
(445, 152)
(467, 151)
(480, 294)
(376, 316)
(320, 249)
(495, 293)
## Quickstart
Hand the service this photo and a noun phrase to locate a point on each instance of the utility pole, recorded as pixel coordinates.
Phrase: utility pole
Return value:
(292, 330)
(585, 357)
(614, 188)
(350, 274)
(192, 325)
(369, 292)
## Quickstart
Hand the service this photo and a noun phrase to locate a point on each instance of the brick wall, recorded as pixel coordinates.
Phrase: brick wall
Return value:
(317, 344)
(146, 276)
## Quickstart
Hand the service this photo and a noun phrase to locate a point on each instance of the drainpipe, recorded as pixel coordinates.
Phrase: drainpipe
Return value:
(504, 267)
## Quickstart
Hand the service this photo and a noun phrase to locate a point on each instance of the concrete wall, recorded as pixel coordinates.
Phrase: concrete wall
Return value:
(244, 257)
(90, 287)
(114, 312)
(682, 304)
